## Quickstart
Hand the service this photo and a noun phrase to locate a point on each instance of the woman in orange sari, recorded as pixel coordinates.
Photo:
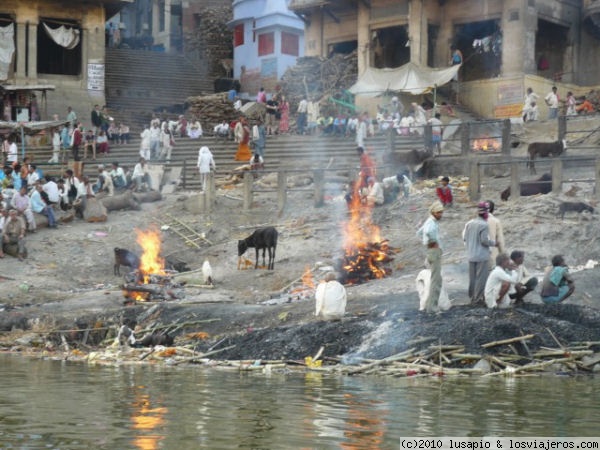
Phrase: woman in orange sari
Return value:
(242, 135)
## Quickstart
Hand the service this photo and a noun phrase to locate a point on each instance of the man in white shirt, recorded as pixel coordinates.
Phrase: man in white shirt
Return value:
(552, 102)
(32, 177)
(13, 151)
(155, 140)
(104, 182)
(222, 130)
(374, 195)
(140, 175)
(51, 189)
(499, 282)
(525, 282)
(302, 111)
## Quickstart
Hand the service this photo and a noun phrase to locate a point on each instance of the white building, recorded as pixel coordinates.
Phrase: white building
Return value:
(267, 39)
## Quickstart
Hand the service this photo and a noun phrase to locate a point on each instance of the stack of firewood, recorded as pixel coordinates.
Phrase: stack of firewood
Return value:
(319, 77)
(212, 39)
(211, 110)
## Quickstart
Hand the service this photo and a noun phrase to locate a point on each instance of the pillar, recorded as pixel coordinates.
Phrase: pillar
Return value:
(557, 170)
(248, 177)
(281, 190)
(597, 185)
(21, 29)
(474, 181)
(319, 182)
(514, 45)
(515, 187)
(32, 50)
(506, 137)
(465, 138)
(363, 38)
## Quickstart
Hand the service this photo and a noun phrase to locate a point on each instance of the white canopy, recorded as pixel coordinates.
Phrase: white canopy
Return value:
(410, 78)
(30, 127)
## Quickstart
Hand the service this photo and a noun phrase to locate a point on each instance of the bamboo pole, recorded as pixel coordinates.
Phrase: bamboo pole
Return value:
(508, 341)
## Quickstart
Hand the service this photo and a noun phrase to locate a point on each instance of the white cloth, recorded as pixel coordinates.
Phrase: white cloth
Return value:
(63, 36)
(7, 49)
(330, 300)
(494, 284)
(194, 130)
(423, 282)
(205, 160)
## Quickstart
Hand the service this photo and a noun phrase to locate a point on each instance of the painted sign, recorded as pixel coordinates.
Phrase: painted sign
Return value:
(510, 93)
(507, 111)
(268, 68)
(95, 77)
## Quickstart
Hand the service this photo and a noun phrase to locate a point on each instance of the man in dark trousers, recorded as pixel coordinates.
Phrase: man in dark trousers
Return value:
(96, 119)
(476, 236)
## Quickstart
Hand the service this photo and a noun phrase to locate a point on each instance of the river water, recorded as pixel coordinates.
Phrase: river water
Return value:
(62, 405)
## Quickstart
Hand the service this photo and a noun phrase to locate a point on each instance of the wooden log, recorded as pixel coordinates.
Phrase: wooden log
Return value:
(508, 341)
(94, 210)
(120, 201)
(147, 197)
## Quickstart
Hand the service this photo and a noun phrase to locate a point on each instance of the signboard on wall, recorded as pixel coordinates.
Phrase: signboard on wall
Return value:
(95, 77)
(509, 102)
(268, 68)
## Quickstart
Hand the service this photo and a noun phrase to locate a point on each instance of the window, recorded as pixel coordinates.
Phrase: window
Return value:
(266, 44)
(289, 44)
(238, 35)
(63, 59)
(161, 16)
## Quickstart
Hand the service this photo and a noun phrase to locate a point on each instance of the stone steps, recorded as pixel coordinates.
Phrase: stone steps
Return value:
(282, 152)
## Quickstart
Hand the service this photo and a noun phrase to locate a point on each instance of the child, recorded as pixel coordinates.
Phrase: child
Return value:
(444, 192)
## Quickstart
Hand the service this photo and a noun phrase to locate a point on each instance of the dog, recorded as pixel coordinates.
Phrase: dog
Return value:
(124, 257)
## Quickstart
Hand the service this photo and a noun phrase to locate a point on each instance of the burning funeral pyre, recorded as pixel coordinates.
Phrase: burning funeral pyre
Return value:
(151, 281)
(486, 144)
(366, 255)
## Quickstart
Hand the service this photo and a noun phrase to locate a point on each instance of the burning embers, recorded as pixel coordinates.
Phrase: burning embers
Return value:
(486, 144)
(365, 253)
(151, 281)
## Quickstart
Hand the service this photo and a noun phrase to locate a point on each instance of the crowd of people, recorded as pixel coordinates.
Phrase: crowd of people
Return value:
(572, 105)
(496, 279)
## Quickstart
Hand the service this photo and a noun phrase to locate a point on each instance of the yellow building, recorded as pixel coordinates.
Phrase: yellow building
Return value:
(507, 45)
(52, 56)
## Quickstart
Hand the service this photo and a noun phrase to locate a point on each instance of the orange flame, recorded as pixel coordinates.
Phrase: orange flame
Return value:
(362, 241)
(359, 229)
(150, 262)
(307, 278)
(486, 144)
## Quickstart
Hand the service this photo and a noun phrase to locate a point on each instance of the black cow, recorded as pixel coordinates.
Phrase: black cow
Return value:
(263, 238)
(415, 160)
(124, 257)
(574, 206)
(542, 185)
(544, 149)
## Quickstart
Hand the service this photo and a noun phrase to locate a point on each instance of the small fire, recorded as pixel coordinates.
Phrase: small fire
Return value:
(150, 262)
(307, 278)
(486, 144)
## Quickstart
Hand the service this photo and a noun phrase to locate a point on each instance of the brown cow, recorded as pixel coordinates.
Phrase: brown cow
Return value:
(544, 149)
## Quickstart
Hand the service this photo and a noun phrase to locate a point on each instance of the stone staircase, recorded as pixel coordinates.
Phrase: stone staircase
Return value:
(139, 82)
(291, 152)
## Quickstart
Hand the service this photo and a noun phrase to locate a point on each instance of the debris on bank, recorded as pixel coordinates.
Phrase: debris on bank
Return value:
(561, 339)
